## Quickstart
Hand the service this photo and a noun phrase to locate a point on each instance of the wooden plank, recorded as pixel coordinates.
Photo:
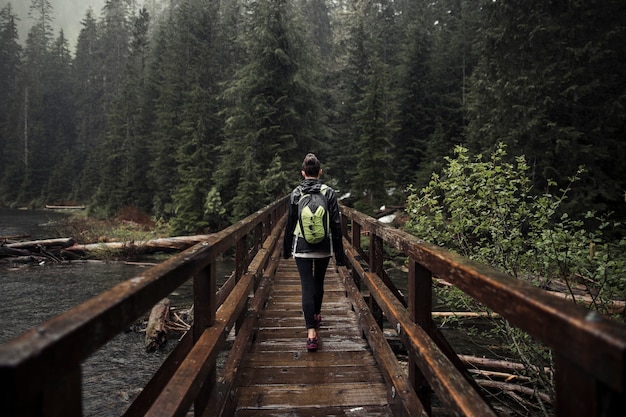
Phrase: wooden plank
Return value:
(291, 375)
(302, 359)
(360, 411)
(321, 395)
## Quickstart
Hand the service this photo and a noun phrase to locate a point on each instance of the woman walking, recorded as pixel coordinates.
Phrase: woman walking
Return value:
(312, 239)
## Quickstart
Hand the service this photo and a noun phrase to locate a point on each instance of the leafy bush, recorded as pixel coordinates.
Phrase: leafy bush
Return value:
(487, 210)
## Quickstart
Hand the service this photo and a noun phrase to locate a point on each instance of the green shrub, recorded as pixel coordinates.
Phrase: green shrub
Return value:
(486, 209)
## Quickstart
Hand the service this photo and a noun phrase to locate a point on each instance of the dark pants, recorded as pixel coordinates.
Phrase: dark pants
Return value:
(312, 273)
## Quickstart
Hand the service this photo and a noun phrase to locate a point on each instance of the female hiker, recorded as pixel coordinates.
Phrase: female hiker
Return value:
(312, 236)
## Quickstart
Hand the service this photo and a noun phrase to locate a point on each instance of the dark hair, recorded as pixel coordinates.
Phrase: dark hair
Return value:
(311, 165)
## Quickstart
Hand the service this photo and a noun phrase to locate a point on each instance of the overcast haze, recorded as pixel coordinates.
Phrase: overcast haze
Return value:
(67, 16)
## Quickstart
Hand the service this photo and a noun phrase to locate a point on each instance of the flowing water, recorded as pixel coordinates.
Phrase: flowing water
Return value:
(32, 294)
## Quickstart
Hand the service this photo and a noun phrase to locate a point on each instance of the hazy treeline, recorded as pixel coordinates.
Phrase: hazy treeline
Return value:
(201, 112)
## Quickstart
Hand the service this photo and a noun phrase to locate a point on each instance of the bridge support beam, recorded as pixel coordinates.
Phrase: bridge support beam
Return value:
(420, 308)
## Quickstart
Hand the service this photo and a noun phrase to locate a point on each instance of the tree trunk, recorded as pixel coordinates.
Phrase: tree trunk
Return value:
(167, 243)
(156, 332)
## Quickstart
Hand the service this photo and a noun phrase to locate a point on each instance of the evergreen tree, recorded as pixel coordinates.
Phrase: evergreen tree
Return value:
(273, 106)
(454, 26)
(375, 129)
(185, 77)
(36, 131)
(124, 181)
(90, 117)
(167, 79)
(196, 154)
(352, 79)
(370, 100)
(10, 108)
(415, 96)
(60, 117)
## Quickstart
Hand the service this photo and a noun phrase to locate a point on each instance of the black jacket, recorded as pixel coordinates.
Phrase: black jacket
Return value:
(324, 246)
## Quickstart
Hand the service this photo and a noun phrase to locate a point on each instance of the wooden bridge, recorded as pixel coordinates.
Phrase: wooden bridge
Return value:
(268, 371)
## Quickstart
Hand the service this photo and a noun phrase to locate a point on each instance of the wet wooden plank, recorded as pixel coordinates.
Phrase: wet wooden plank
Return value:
(361, 411)
(292, 376)
(320, 395)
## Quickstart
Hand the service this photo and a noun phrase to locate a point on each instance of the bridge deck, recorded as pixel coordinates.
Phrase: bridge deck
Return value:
(279, 376)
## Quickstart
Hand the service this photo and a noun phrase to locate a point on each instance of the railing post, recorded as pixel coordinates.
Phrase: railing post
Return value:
(258, 237)
(420, 311)
(580, 394)
(204, 301)
(241, 254)
(355, 231)
(65, 397)
(376, 266)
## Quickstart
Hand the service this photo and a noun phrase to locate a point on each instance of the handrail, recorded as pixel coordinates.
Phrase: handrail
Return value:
(40, 371)
(590, 350)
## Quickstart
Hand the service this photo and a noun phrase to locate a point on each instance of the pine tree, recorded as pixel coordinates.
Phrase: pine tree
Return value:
(110, 152)
(273, 106)
(415, 96)
(125, 179)
(454, 25)
(37, 133)
(90, 118)
(10, 105)
(186, 76)
(60, 116)
(375, 128)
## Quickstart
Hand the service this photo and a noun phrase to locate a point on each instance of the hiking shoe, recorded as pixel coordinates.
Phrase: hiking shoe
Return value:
(311, 344)
(318, 320)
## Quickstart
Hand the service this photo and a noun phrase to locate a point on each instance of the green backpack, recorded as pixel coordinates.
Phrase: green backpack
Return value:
(313, 217)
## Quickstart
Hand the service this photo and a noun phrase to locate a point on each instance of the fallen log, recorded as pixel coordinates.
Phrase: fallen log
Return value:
(5, 251)
(506, 387)
(156, 332)
(474, 362)
(464, 314)
(24, 260)
(58, 243)
(176, 243)
(64, 207)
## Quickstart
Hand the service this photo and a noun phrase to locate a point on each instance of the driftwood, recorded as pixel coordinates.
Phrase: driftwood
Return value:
(474, 362)
(514, 388)
(61, 249)
(64, 207)
(35, 251)
(164, 244)
(156, 332)
(464, 314)
(45, 243)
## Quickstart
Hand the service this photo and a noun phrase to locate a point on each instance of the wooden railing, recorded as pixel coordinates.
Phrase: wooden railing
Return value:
(589, 350)
(40, 371)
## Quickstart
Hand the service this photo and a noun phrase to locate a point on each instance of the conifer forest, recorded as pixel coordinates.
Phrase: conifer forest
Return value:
(199, 112)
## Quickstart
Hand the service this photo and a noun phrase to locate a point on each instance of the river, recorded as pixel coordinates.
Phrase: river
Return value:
(32, 294)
